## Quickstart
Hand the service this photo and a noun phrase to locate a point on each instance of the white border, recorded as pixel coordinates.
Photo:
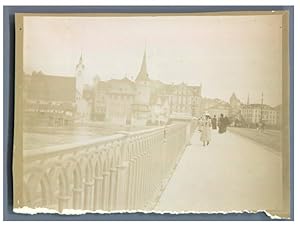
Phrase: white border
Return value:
(296, 4)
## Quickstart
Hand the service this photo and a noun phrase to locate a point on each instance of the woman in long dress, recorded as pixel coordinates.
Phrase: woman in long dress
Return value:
(222, 124)
(205, 130)
(214, 122)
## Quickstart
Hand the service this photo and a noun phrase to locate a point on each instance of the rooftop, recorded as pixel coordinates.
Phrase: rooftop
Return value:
(51, 88)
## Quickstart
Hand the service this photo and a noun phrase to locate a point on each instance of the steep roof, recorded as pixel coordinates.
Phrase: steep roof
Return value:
(51, 88)
(143, 74)
(80, 63)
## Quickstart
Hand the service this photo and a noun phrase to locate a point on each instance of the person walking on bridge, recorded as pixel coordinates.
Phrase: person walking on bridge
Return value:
(214, 122)
(205, 136)
(222, 124)
(227, 123)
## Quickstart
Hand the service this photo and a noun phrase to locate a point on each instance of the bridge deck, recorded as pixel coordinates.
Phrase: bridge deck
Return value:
(232, 173)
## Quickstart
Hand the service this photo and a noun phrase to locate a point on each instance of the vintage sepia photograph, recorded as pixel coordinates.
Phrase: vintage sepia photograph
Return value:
(162, 113)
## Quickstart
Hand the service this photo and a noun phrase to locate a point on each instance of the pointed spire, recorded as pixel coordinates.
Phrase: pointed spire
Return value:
(80, 64)
(143, 74)
(144, 64)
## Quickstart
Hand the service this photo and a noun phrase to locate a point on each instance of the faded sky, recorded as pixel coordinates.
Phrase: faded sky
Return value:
(240, 54)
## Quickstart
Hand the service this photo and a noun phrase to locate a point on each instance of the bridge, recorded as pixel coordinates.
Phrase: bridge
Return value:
(163, 169)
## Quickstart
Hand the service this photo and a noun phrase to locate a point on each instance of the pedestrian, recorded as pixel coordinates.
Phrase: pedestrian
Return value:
(226, 122)
(222, 124)
(214, 122)
(206, 130)
(199, 124)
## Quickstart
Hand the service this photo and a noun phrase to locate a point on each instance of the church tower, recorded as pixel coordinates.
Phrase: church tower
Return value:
(142, 109)
(143, 84)
(143, 76)
(79, 73)
(82, 105)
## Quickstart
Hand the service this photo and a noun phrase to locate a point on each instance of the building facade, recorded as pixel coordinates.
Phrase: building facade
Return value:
(141, 111)
(119, 98)
(235, 108)
(218, 109)
(142, 101)
(184, 99)
(49, 100)
(83, 106)
(279, 115)
(160, 109)
(99, 91)
(255, 113)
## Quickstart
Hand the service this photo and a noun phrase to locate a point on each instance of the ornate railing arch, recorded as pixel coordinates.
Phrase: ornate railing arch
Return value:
(127, 170)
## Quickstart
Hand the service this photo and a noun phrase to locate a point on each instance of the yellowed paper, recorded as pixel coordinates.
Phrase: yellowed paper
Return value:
(176, 113)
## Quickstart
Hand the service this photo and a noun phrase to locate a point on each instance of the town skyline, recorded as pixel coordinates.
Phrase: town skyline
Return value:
(248, 98)
(250, 60)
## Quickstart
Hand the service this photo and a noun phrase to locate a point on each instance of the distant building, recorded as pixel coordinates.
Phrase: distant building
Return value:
(235, 107)
(218, 109)
(83, 107)
(209, 102)
(215, 107)
(119, 98)
(279, 115)
(99, 98)
(142, 101)
(141, 112)
(185, 99)
(160, 109)
(255, 113)
(49, 100)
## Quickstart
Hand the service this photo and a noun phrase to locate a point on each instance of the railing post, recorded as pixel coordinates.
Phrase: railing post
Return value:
(106, 181)
(122, 182)
(147, 169)
(113, 177)
(77, 192)
(135, 174)
(143, 170)
(97, 192)
(122, 173)
(139, 163)
(63, 197)
(88, 186)
(164, 156)
(88, 192)
(131, 175)
(98, 179)
(63, 202)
